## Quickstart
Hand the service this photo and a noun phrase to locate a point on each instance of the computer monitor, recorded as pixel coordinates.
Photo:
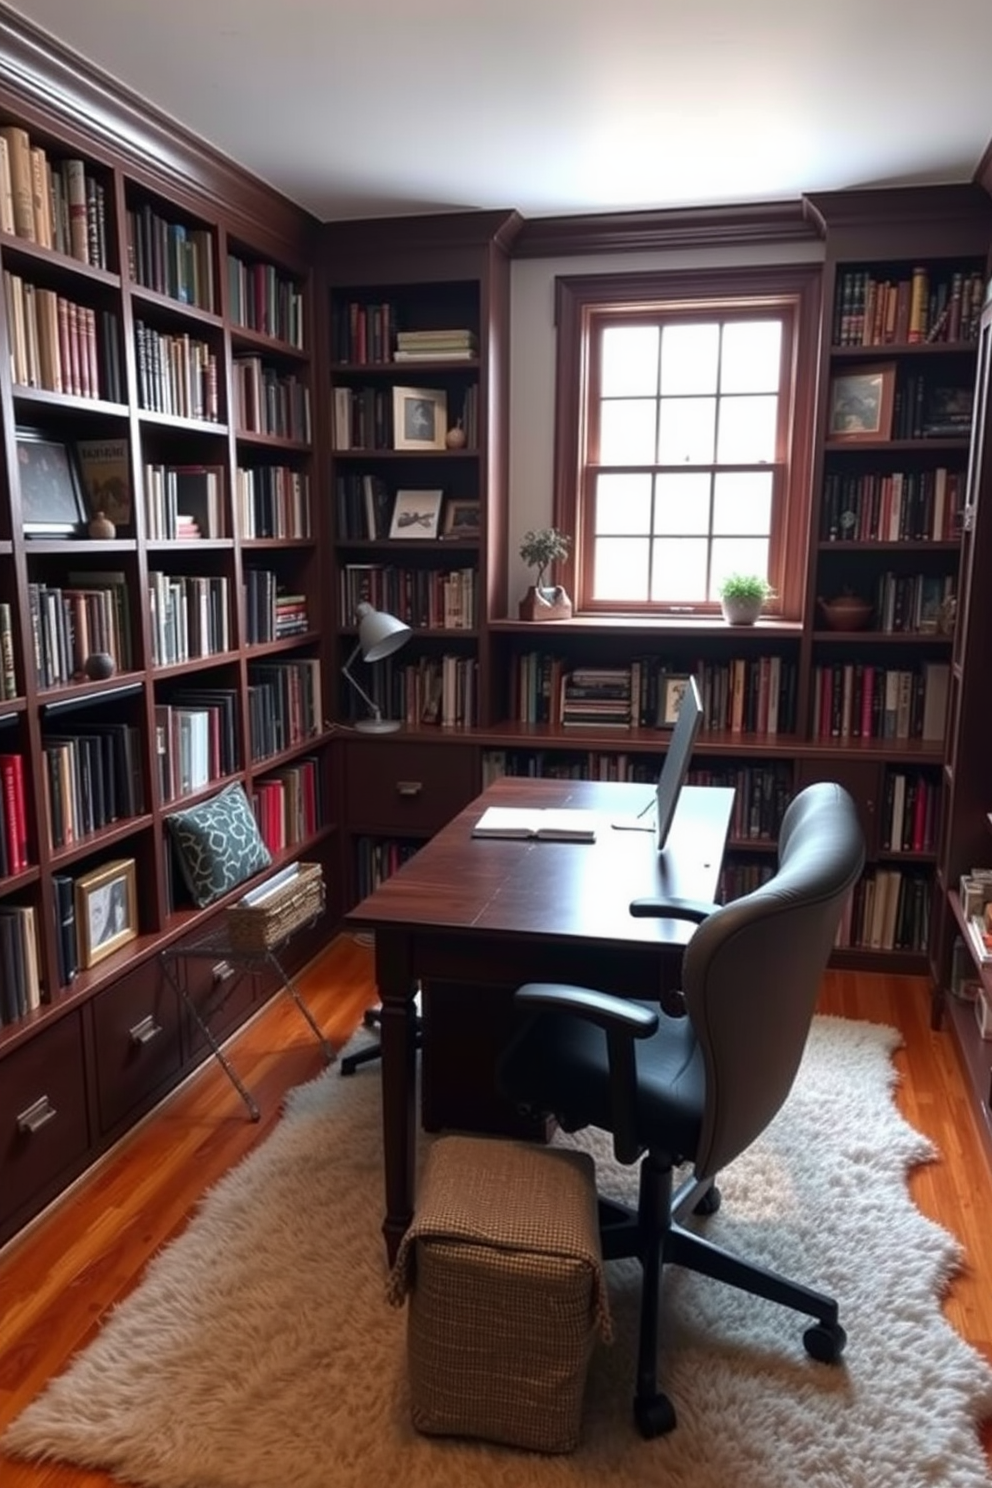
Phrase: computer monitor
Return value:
(676, 764)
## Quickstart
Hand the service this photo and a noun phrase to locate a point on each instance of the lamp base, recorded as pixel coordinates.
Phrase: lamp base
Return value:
(377, 725)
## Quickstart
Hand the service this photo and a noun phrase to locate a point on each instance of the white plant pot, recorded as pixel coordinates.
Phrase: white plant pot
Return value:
(741, 611)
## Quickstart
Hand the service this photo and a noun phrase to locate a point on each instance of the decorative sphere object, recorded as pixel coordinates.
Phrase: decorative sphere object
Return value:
(99, 665)
(455, 438)
(101, 526)
(846, 612)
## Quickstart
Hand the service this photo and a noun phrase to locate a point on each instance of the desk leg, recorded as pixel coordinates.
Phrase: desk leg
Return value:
(397, 988)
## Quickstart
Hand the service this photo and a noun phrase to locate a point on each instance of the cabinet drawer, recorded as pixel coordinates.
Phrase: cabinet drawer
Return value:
(406, 787)
(43, 1117)
(223, 994)
(136, 1037)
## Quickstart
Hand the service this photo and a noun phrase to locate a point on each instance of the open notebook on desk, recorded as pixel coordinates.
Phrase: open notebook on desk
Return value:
(548, 823)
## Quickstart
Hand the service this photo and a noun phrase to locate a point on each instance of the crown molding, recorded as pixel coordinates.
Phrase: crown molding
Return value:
(52, 88)
(638, 232)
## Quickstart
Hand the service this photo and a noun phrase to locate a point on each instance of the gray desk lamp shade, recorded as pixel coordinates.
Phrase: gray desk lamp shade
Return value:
(379, 635)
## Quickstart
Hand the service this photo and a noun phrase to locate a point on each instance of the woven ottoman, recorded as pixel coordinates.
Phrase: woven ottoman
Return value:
(504, 1275)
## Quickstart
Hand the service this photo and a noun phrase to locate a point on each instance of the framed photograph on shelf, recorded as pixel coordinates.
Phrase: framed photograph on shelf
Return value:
(52, 502)
(861, 403)
(416, 514)
(461, 519)
(670, 700)
(420, 418)
(106, 910)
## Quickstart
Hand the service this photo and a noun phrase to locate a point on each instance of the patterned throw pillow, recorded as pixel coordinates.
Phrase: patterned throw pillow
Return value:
(218, 844)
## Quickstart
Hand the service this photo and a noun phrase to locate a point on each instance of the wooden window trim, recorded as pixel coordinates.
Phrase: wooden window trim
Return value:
(576, 296)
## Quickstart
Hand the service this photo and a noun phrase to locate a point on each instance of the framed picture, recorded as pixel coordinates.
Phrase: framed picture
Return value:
(670, 700)
(416, 514)
(52, 502)
(420, 418)
(861, 403)
(461, 519)
(106, 910)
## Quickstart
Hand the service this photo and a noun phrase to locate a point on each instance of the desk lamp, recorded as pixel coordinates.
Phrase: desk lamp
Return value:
(379, 635)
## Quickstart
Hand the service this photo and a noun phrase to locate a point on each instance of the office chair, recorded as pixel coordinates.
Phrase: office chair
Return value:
(372, 1019)
(699, 1088)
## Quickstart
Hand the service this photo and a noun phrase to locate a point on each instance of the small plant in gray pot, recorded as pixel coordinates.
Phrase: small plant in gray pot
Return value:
(545, 601)
(742, 597)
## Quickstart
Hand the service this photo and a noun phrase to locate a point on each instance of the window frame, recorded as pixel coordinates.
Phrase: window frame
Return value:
(582, 299)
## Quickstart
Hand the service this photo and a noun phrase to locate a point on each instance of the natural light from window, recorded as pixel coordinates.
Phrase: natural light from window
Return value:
(688, 416)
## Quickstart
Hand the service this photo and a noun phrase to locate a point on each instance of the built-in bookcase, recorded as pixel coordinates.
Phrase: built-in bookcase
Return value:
(156, 367)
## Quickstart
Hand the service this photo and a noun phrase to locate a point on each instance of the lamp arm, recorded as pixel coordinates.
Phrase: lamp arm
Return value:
(346, 669)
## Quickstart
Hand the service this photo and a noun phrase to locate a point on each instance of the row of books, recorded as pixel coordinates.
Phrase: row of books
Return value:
(196, 740)
(188, 616)
(267, 401)
(20, 966)
(425, 598)
(745, 694)
(363, 333)
(924, 409)
(363, 506)
(924, 306)
(91, 614)
(566, 764)
(600, 696)
(286, 805)
(184, 502)
(13, 816)
(270, 613)
(900, 506)
(262, 298)
(889, 910)
(177, 375)
(56, 203)
(93, 778)
(853, 700)
(908, 820)
(273, 501)
(285, 704)
(59, 345)
(171, 258)
(436, 690)
(912, 604)
(378, 858)
(8, 668)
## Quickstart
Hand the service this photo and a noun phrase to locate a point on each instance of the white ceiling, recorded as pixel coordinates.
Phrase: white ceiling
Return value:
(358, 108)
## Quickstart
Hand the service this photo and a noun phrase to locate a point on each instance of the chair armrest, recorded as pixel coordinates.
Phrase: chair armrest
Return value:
(672, 909)
(602, 1008)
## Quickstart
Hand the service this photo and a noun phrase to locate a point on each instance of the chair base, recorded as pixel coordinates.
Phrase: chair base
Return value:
(656, 1238)
(372, 1019)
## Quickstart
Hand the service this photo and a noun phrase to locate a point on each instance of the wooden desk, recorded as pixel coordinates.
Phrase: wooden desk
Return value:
(471, 919)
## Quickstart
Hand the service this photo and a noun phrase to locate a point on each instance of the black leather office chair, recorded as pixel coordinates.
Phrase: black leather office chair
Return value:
(699, 1088)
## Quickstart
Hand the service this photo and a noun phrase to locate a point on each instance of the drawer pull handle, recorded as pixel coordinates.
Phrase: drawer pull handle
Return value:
(409, 787)
(37, 1115)
(145, 1031)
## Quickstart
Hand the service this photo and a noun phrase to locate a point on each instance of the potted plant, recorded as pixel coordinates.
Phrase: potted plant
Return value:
(543, 601)
(742, 597)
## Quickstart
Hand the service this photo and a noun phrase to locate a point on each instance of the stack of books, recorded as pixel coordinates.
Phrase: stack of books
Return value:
(596, 697)
(436, 346)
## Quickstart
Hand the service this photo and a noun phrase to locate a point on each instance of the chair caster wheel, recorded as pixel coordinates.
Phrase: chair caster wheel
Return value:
(825, 1342)
(710, 1202)
(654, 1416)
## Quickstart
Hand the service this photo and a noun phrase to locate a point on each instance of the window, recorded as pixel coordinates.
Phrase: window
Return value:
(684, 438)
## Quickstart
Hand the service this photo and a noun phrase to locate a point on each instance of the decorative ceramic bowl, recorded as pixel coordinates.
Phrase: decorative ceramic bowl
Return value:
(846, 612)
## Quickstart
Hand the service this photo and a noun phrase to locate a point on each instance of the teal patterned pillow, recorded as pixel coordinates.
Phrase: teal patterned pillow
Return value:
(218, 845)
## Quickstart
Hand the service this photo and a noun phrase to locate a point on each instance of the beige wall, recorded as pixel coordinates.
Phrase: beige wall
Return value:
(532, 369)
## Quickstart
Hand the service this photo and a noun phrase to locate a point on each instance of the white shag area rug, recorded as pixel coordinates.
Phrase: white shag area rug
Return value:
(258, 1351)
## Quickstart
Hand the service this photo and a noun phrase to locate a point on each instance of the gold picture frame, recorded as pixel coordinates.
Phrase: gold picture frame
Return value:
(420, 418)
(861, 403)
(106, 910)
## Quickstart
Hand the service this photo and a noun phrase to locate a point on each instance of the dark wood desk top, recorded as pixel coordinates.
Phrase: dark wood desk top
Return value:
(566, 890)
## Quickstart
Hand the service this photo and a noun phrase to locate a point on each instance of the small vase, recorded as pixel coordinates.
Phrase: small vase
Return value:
(547, 602)
(741, 611)
(101, 526)
(99, 665)
(455, 438)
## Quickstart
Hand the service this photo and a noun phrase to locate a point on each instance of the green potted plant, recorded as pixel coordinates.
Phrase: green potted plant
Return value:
(742, 597)
(539, 549)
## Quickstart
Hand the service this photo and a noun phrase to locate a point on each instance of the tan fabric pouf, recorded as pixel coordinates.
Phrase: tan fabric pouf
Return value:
(504, 1274)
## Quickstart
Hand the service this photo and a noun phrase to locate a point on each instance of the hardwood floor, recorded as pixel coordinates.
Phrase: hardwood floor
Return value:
(90, 1249)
